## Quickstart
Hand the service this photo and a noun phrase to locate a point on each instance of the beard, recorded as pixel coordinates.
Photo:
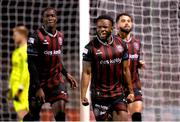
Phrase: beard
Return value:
(127, 31)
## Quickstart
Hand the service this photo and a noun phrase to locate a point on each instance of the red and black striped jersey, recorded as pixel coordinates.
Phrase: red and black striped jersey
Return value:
(106, 66)
(44, 50)
(134, 45)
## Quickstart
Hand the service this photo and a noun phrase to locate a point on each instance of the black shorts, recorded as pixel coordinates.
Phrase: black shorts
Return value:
(56, 93)
(51, 94)
(103, 108)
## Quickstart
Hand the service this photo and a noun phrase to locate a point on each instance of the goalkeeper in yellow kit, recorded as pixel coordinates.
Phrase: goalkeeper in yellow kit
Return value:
(19, 78)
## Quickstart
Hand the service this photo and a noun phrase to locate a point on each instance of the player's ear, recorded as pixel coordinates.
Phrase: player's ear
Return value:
(57, 19)
(112, 28)
(116, 26)
(132, 25)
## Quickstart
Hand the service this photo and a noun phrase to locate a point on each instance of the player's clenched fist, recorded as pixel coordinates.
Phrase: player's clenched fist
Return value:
(40, 95)
(85, 101)
(142, 64)
(131, 97)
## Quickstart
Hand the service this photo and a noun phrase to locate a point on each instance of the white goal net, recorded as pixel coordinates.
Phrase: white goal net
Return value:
(28, 12)
(157, 23)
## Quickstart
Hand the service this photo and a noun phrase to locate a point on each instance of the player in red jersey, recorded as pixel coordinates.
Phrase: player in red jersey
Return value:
(125, 24)
(105, 63)
(46, 69)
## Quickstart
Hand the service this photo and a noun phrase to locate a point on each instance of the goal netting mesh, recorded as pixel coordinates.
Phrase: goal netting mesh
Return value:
(28, 12)
(157, 23)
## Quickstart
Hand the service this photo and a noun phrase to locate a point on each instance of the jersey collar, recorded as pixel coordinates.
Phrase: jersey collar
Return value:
(51, 35)
(105, 43)
(125, 40)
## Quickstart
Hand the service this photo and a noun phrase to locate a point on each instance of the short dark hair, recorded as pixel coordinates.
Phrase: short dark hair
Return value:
(105, 17)
(48, 8)
(123, 14)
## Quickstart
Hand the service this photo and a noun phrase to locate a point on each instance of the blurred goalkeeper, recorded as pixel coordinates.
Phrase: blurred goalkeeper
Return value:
(46, 69)
(125, 24)
(19, 78)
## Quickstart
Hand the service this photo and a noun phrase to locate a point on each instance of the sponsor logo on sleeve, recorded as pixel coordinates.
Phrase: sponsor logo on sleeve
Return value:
(85, 51)
(60, 40)
(31, 40)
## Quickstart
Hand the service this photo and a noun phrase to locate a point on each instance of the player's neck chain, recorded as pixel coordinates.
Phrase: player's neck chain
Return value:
(51, 35)
(105, 43)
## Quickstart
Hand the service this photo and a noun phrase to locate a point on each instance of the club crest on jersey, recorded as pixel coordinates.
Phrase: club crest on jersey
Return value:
(31, 40)
(136, 45)
(120, 48)
(60, 40)
(45, 42)
(98, 52)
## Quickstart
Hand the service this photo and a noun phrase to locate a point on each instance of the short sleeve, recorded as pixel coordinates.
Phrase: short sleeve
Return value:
(87, 53)
(60, 38)
(125, 55)
(32, 49)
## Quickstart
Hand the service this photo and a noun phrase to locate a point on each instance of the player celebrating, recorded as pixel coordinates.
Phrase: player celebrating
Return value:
(19, 78)
(105, 61)
(46, 69)
(125, 24)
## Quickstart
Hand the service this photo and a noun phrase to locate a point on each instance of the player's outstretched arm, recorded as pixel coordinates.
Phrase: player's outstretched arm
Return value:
(86, 77)
(127, 75)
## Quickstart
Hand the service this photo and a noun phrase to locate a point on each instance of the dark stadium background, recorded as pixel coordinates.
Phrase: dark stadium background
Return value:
(28, 13)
